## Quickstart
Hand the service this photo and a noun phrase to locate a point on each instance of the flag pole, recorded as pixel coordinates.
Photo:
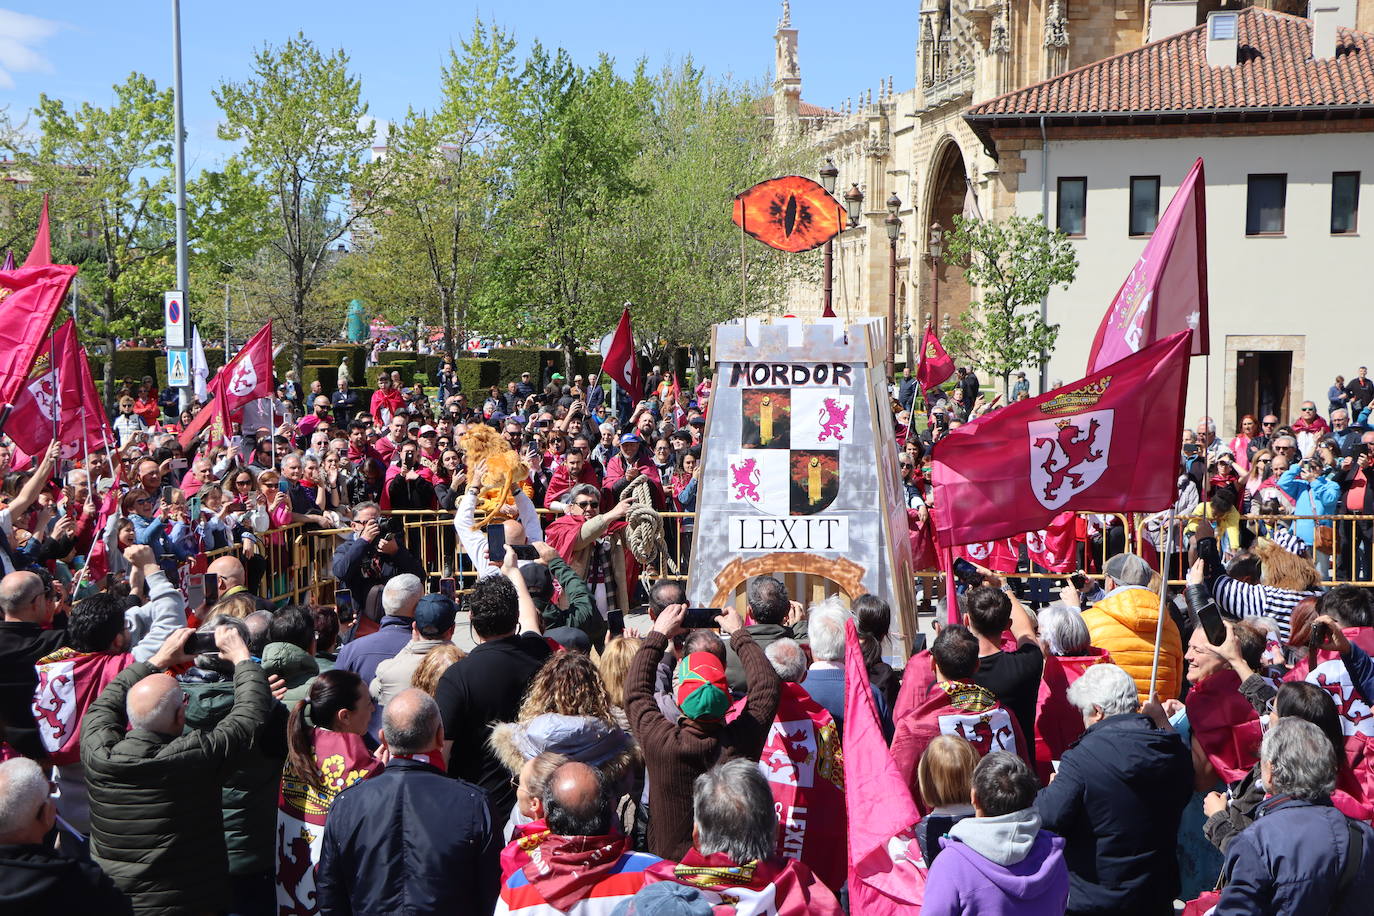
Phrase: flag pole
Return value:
(1163, 592)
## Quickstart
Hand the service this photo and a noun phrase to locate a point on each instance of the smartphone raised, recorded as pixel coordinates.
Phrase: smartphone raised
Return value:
(211, 588)
(967, 573)
(343, 603)
(201, 644)
(702, 618)
(1079, 581)
(1209, 616)
(524, 551)
(447, 586)
(167, 495)
(1316, 638)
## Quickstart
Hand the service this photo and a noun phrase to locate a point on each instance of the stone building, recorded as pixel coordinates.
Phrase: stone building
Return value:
(916, 144)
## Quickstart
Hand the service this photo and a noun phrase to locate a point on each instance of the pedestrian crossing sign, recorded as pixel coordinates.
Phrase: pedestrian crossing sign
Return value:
(178, 368)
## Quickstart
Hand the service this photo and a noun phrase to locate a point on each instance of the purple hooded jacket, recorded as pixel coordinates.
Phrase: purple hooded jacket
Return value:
(999, 866)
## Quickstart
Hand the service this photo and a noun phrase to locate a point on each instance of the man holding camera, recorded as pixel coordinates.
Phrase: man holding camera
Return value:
(148, 780)
(372, 554)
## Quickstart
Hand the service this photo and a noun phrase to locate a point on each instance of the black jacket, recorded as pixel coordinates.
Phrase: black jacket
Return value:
(360, 567)
(410, 841)
(1117, 800)
(764, 634)
(21, 646)
(155, 810)
(36, 882)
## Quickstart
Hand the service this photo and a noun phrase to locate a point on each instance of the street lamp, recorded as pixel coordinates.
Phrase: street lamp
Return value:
(893, 224)
(829, 173)
(853, 204)
(935, 246)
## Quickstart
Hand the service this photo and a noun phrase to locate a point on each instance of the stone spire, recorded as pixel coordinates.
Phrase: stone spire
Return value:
(786, 77)
(786, 21)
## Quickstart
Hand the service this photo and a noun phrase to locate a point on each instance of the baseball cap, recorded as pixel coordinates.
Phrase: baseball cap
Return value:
(538, 580)
(435, 614)
(571, 639)
(428, 430)
(1129, 569)
(665, 898)
(701, 691)
(557, 376)
(413, 426)
(630, 437)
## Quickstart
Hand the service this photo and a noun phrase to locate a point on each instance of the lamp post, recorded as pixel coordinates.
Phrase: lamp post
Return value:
(893, 223)
(935, 246)
(829, 173)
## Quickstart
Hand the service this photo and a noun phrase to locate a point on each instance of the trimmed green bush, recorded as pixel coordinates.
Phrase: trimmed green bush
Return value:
(476, 374)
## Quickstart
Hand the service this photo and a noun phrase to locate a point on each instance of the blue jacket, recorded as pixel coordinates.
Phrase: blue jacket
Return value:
(169, 549)
(1117, 801)
(1318, 497)
(353, 565)
(410, 841)
(1289, 861)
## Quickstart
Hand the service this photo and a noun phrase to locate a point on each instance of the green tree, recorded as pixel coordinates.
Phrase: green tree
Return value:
(574, 143)
(678, 253)
(302, 122)
(434, 234)
(1013, 263)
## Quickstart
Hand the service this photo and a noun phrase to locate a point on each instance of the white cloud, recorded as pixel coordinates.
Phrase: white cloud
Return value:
(20, 38)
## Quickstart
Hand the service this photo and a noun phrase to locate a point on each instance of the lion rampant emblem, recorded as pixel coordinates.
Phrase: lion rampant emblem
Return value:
(1068, 455)
(834, 419)
(745, 479)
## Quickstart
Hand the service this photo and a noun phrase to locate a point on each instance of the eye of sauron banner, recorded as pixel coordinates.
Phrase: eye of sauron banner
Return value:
(791, 213)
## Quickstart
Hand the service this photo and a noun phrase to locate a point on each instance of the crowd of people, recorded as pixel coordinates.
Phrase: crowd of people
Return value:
(514, 713)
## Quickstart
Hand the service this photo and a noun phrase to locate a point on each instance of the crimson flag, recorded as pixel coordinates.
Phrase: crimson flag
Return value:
(1166, 291)
(246, 377)
(40, 255)
(60, 386)
(1225, 725)
(935, 367)
(1083, 447)
(98, 560)
(68, 683)
(29, 298)
(886, 876)
(1052, 547)
(619, 359)
(999, 555)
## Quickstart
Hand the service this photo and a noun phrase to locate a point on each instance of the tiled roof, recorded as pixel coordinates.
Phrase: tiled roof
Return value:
(1275, 70)
(807, 110)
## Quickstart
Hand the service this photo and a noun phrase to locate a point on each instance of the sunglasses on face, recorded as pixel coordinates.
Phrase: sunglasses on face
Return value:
(1309, 410)
(586, 504)
(1270, 422)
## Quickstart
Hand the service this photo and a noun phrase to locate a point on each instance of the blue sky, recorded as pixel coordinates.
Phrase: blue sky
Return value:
(77, 49)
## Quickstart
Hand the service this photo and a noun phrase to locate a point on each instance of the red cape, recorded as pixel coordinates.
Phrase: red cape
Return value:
(1058, 723)
(1225, 725)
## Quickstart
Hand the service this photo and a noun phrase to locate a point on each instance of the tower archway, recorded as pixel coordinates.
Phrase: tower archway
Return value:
(945, 291)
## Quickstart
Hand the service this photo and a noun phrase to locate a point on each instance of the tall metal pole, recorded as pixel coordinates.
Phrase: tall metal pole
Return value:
(183, 279)
(827, 308)
(226, 321)
(892, 308)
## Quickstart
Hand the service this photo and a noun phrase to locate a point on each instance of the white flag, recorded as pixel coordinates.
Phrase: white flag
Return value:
(200, 369)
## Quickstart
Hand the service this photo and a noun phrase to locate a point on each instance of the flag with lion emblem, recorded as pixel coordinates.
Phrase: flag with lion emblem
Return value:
(1083, 447)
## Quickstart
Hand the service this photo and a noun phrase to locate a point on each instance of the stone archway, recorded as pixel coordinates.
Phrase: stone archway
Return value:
(947, 300)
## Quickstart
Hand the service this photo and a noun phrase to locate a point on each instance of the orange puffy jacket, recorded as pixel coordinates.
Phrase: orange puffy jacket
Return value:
(1124, 624)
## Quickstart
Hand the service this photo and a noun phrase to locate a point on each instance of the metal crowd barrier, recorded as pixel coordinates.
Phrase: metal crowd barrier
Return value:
(293, 564)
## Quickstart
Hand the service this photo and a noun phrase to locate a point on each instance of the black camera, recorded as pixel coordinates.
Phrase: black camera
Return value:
(390, 526)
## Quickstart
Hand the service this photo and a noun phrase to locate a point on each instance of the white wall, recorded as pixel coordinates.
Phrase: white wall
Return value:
(1307, 283)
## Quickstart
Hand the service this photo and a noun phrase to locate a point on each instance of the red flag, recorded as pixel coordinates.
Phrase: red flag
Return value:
(1355, 781)
(1166, 291)
(1052, 547)
(98, 560)
(83, 417)
(1226, 726)
(619, 359)
(29, 298)
(37, 404)
(801, 760)
(1058, 723)
(1082, 447)
(885, 873)
(60, 381)
(935, 367)
(68, 683)
(40, 255)
(999, 555)
(246, 377)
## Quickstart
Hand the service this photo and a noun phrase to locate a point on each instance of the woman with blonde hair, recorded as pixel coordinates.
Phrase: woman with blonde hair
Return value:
(945, 777)
(1286, 577)
(433, 666)
(615, 667)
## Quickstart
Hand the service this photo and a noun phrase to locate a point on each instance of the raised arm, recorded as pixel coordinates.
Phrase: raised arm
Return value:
(28, 494)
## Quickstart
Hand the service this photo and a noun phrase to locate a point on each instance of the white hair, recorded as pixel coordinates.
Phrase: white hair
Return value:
(76, 474)
(23, 788)
(1063, 630)
(1301, 760)
(825, 630)
(401, 592)
(1107, 688)
(788, 660)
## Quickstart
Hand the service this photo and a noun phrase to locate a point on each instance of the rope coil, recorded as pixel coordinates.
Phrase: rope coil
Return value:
(643, 524)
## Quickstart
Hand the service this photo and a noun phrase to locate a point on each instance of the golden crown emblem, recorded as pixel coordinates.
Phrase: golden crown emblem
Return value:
(1076, 400)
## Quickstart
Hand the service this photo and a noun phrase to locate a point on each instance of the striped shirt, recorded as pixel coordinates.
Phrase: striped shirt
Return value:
(1241, 599)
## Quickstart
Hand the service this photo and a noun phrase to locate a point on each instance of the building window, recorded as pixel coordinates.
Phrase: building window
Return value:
(1073, 206)
(1264, 204)
(1144, 204)
(1345, 202)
